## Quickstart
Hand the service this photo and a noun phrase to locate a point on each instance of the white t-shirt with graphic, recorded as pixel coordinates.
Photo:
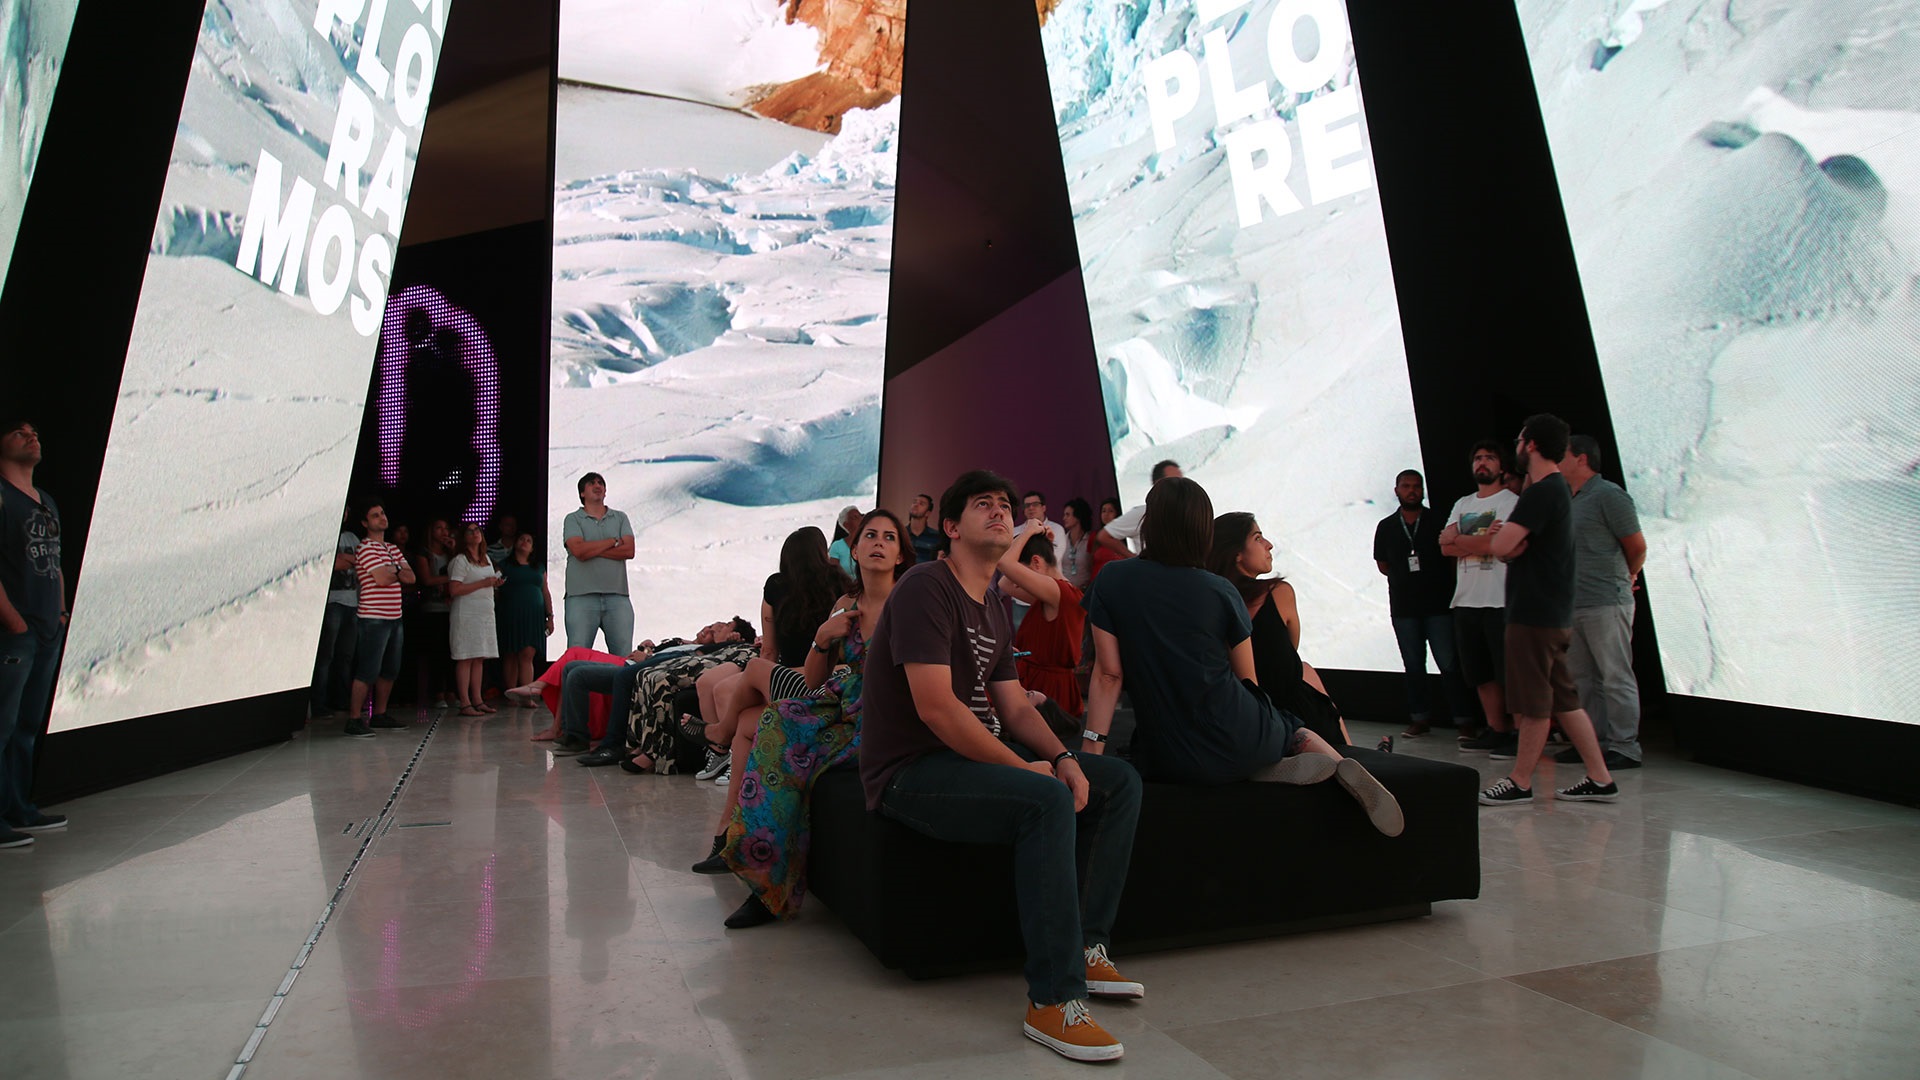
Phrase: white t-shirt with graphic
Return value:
(1481, 581)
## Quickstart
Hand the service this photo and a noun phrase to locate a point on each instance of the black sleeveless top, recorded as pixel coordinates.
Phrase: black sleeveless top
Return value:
(1276, 663)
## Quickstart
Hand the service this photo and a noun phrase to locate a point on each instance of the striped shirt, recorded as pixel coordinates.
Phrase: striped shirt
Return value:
(377, 601)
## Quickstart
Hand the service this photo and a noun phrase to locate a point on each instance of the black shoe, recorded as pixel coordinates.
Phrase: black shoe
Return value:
(385, 721)
(1588, 791)
(1506, 793)
(357, 729)
(713, 863)
(13, 838)
(1490, 740)
(1617, 760)
(1568, 757)
(631, 767)
(39, 823)
(603, 756)
(751, 913)
(569, 744)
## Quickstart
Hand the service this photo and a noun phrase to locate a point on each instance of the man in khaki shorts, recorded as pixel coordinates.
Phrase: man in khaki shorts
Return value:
(1536, 541)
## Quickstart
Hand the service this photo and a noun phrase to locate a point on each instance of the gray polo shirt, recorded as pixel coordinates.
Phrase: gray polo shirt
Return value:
(1603, 514)
(589, 576)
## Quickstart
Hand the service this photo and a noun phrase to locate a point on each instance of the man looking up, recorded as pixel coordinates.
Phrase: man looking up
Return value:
(925, 534)
(33, 622)
(1033, 511)
(952, 748)
(1536, 540)
(1406, 549)
(599, 543)
(1609, 551)
(1480, 597)
(381, 569)
(1117, 534)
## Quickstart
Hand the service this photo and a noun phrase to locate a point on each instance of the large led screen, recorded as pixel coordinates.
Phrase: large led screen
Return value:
(723, 205)
(253, 344)
(1742, 184)
(1237, 276)
(33, 45)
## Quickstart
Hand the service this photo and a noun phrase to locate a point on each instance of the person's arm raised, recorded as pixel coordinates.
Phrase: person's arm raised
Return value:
(1025, 584)
(954, 723)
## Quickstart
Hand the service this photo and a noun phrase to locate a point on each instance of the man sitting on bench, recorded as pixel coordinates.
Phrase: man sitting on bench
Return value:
(951, 748)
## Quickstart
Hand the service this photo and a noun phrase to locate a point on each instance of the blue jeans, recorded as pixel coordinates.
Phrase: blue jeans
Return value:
(333, 666)
(28, 663)
(608, 613)
(380, 641)
(1418, 633)
(1068, 869)
(583, 678)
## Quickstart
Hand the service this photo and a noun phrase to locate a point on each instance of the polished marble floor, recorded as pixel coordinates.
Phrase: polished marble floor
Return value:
(514, 916)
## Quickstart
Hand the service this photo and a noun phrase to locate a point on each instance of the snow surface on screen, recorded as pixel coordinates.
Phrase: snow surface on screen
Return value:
(719, 292)
(33, 45)
(1742, 184)
(1237, 275)
(253, 343)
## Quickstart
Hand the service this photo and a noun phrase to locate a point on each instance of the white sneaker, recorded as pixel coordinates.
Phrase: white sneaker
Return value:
(1104, 980)
(725, 775)
(715, 765)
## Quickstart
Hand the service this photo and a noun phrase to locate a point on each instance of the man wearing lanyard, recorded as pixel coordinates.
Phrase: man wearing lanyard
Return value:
(1406, 548)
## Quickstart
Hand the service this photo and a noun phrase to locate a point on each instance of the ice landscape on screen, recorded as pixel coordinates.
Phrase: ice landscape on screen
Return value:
(33, 45)
(1742, 184)
(719, 298)
(1267, 359)
(239, 410)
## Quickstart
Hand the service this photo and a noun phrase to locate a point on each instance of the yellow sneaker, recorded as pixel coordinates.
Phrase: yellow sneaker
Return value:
(1069, 1030)
(1105, 981)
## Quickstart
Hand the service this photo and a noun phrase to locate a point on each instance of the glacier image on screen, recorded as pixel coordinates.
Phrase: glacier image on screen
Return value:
(33, 45)
(1742, 185)
(1237, 275)
(239, 409)
(723, 234)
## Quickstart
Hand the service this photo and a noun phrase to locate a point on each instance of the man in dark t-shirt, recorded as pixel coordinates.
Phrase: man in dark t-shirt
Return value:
(950, 747)
(1537, 542)
(1420, 582)
(33, 622)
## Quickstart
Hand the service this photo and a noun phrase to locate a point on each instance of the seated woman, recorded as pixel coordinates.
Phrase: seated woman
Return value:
(1182, 640)
(547, 688)
(794, 601)
(763, 836)
(1243, 556)
(1051, 632)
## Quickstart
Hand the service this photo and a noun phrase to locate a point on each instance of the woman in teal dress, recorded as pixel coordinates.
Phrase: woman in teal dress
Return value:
(800, 738)
(523, 611)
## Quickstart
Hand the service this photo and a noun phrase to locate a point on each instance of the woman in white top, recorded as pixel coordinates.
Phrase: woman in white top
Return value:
(471, 580)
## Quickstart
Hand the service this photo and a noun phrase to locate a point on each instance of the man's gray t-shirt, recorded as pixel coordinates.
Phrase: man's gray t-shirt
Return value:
(343, 587)
(586, 577)
(1603, 515)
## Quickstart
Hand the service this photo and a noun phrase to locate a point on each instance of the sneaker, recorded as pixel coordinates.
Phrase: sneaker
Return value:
(1587, 791)
(717, 761)
(1301, 769)
(385, 721)
(357, 729)
(1104, 980)
(39, 823)
(1417, 729)
(1069, 1030)
(12, 838)
(1506, 793)
(1490, 740)
(1468, 734)
(1506, 751)
(1568, 756)
(725, 775)
(1383, 810)
(1617, 760)
(569, 744)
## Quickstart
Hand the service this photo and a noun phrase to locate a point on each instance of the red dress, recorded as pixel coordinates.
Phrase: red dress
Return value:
(1102, 555)
(1056, 650)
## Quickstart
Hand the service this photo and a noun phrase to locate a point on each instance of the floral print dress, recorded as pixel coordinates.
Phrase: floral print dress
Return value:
(799, 738)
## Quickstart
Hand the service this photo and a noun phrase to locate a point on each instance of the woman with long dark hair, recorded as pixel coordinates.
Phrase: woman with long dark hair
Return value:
(763, 832)
(1244, 556)
(1180, 637)
(525, 616)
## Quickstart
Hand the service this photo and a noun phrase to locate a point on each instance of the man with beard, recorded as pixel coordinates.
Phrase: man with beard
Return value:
(1406, 548)
(1480, 597)
(33, 623)
(1536, 541)
(952, 748)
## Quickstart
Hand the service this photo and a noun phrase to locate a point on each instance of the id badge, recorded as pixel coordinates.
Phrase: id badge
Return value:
(1413, 564)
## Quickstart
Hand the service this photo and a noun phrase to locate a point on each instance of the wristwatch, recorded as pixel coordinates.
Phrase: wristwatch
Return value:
(819, 648)
(1092, 737)
(1055, 763)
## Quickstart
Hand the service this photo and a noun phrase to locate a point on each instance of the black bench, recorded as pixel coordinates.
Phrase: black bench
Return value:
(1210, 864)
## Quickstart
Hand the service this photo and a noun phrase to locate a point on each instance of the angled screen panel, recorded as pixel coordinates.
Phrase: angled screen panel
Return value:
(723, 205)
(253, 343)
(33, 46)
(1237, 275)
(1742, 184)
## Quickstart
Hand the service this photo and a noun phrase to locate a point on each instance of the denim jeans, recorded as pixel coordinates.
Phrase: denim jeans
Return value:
(1068, 869)
(1417, 634)
(583, 678)
(333, 666)
(607, 613)
(380, 642)
(1601, 660)
(28, 663)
